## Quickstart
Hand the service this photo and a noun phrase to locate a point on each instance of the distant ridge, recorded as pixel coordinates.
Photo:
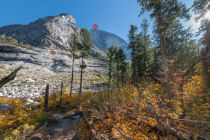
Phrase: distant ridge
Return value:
(103, 40)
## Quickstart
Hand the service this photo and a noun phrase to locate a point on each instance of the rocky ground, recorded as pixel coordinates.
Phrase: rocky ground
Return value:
(44, 66)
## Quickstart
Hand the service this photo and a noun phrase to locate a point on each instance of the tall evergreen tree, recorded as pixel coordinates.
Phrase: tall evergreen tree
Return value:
(132, 46)
(85, 46)
(117, 66)
(123, 68)
(205, 56)
(200, 8)
(139, 43)
(164, 12)
(111, 56)
(74, 46)
(143, 49)
(120, 65)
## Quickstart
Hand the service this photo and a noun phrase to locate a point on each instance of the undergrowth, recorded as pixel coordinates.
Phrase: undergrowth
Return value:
(142, 112)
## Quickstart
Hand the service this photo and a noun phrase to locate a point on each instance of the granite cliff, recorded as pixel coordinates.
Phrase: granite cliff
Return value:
(52, 31)
(103, 40)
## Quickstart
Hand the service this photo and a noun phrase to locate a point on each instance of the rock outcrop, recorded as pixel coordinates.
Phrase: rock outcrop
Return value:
(45, 32)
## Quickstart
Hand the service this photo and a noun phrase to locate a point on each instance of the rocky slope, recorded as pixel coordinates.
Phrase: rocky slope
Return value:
(41, 67)
(104, 40)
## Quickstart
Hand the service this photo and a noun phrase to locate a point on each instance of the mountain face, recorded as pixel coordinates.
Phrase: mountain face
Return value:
(103, 40)
(45, 32)
(41, 67)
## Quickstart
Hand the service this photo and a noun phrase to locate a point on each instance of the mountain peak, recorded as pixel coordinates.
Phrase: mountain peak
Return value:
(44, 32)
(104, 40)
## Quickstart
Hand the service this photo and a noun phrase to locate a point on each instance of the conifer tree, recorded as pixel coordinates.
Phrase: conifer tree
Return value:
(85, 46)
(120, 65)
(132, 46)
(123, 68)
(111, 57)
(200, 8)
(74, 46)
(139, 43)
(164, 12)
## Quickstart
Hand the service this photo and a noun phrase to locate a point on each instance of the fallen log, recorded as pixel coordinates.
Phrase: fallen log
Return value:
(10, 77)
(122, 133)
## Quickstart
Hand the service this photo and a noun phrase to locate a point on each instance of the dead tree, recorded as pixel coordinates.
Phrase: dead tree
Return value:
(61, 94)
(10, 77)
(206, 68)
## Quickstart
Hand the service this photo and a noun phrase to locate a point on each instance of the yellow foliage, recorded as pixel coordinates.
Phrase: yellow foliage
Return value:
(197, 101)
(66, 91)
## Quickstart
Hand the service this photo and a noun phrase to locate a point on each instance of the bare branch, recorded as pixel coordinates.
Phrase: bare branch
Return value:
(122, 133)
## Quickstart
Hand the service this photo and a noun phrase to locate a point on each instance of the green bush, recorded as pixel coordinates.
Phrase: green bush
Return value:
(12, 41)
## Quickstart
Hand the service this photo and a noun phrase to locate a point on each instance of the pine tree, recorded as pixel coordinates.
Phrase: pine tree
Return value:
(139, 43)
(111, 56)
(117, 66)
(85, 46)
(123, 69)
(120, 65)
(205, 56)
(74, 45)
(164, 12)
(132, 46)
(200, 8)
(143, 50)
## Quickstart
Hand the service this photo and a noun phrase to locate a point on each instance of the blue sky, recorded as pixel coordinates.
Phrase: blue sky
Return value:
(110, 15)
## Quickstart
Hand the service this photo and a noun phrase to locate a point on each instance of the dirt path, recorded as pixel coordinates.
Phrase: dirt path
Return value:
(63, 129)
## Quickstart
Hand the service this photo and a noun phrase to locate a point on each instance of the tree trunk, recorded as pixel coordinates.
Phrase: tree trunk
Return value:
(133, 65)
(114, 77)
(122, 79)
(145, 55)
(134, 75)
(165, 66)
(81, 74)
(10, 77)
(72, 75)
(155, 67)
(110, 69)
(46, 98)
(206, 69)
(117, 76)
(61, 94)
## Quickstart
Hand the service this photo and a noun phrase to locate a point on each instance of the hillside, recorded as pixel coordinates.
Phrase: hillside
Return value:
(42, 66)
